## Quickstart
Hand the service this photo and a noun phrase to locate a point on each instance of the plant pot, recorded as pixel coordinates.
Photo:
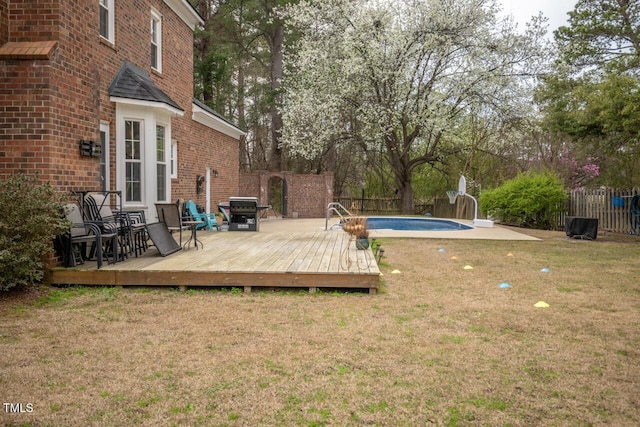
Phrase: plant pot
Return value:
(362, 243)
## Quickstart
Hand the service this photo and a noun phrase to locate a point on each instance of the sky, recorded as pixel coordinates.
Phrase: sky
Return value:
(523, 10)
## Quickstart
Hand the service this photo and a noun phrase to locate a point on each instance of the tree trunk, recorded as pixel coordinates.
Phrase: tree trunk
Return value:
(404, 186)
(400, 163)
(406, 196)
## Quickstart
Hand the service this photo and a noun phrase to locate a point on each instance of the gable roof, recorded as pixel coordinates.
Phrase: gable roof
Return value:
(133, 83)
(201, 113)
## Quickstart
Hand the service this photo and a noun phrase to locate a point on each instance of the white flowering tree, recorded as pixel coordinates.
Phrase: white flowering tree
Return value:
(398, 76)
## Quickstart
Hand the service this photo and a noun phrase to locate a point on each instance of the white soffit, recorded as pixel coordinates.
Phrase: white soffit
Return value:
(151, 104)
(204, 117)
(184, 10)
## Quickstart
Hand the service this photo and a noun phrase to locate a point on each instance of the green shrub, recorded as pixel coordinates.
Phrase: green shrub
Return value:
(30, 217)
(529, 200)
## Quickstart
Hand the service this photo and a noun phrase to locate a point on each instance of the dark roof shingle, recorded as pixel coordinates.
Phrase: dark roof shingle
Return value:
(134, 83)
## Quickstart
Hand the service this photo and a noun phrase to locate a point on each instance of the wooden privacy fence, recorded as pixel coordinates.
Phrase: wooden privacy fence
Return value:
(610, 206)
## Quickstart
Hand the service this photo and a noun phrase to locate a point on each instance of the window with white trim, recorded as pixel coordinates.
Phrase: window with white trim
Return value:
(133, 161)
(156, 41)
(174, 159)
(107, 18)
(104, 156)
(161, 164)
(142, 155)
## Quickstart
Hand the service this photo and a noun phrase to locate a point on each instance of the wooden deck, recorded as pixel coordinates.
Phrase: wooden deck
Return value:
(320, 259)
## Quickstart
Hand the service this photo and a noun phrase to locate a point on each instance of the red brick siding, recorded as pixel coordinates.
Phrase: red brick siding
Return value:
(47, 107)
(201, 148)
(4, 22)
(30, 20)
(26, 132)
(50, 105)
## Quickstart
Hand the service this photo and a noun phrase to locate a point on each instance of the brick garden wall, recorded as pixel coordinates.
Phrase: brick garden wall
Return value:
(307, 195)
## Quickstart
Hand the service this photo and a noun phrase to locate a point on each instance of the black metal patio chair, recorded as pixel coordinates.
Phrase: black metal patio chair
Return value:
(80, 234)
(169, 213)
(139, 232)
(98, 210)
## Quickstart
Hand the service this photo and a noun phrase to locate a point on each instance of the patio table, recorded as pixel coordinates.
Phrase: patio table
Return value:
(193, 226)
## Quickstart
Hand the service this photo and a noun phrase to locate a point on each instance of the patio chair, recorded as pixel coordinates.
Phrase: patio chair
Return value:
(224, 208)
(98, 210)
(208, 220)
(162, 239)
(82, 233)
(139, 232)
(169, 213)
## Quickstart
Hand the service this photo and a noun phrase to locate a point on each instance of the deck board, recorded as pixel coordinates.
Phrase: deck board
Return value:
(297, 259)
(320, 257)
(245, 259)
(334, 255)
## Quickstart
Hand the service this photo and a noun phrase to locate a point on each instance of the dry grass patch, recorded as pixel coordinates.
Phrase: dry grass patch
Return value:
(439, 345)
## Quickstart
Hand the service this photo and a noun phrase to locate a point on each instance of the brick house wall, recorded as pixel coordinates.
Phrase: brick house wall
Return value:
(26, 97)
(47, 105)
(223, 154)
(4, 22)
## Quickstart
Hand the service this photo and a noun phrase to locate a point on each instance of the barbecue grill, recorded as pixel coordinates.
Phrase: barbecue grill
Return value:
(244, 214)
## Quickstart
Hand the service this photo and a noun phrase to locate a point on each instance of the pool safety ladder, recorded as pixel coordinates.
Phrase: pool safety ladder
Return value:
(335, 207)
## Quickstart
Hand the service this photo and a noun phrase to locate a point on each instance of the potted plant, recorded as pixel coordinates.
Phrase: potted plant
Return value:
(357, 227)
(362, 239)
(219, 218)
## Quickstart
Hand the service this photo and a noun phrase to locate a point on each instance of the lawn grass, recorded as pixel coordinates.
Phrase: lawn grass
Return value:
(439, 345)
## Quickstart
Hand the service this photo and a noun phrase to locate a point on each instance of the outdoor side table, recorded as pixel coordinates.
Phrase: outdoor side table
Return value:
(193, 225)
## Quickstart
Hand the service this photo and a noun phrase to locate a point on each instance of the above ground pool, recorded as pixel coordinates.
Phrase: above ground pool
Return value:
(414, 224)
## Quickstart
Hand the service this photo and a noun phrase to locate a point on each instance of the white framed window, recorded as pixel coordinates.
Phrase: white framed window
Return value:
(107, 19)
(143, 152)
(156, 41)
(161, 164)
(174, 159)
(104, 156)
(133, 145)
